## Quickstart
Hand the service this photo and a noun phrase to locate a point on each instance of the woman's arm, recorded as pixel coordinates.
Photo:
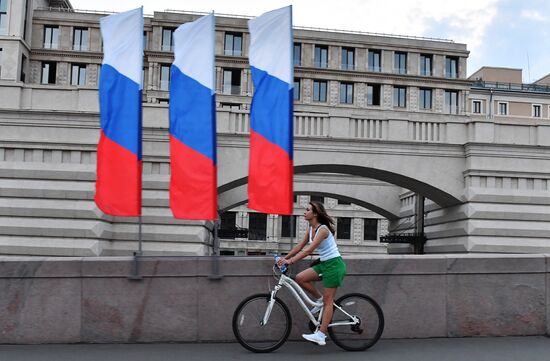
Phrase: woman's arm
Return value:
(319, 237)
(299, 246)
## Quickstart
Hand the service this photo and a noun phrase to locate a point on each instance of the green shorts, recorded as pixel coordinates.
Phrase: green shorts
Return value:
(333, 272)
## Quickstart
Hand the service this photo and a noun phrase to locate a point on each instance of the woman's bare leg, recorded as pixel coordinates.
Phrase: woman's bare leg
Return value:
(305, 279)
(328, 299)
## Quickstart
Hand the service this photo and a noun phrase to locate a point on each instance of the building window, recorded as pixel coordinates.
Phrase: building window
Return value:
(400, 63)
(81, 39)
(51, 37)
(451, 67)
(346, 93)
(228, 225)
(297, 84)
(165, 77)
(451, 102)
(48, 72)
(257, 225)
(348, 58)
(321, 56)
(167, 39)
(373, 94)
(297, 54)
(3, 17)
(320, 90)
(537, 110)
(145, 40)
(425, 98)
(400, 96)
(374, 61)
(78, 74)
(370, 229)
(319, 199)
(1, 63)
(286, 225)
(502, 108)
(476, 106)
(23, 74)
(232, 81)
(343, 228)
(233, 45)
(425, 65)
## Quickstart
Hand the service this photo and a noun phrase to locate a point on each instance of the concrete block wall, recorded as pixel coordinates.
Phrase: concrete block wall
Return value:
(71, 300)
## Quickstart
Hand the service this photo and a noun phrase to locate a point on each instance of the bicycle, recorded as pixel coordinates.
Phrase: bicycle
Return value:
(262, 322)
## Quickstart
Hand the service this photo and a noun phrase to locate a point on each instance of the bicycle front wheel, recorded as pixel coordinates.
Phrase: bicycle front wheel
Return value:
(366, 332)
(248, 325)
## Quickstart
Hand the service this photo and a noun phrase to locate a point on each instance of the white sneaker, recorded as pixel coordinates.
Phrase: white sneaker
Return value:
(318, 307)
(317, 337)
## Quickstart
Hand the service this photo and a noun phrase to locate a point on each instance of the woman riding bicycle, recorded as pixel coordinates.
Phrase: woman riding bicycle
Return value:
(332, 268)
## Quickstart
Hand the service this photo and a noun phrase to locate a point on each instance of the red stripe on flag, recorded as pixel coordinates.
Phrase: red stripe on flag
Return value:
(193, 185)
(269, 177)
(118, 182)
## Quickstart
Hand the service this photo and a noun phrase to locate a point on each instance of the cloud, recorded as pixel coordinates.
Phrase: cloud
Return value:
(534, 15)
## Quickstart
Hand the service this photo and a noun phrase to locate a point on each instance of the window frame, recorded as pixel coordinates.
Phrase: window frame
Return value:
(448, 107)
(422, 98)
(397, 97)
(373, 86)
(399, 57)
(348, 98)
(49, 74)
(297, 93)
(451, 73)
(347, 65)
(506, 106)
(80, 46)
(297, 56)
(365, 223)
(480, 102)
(232, 50)
(318, 63)
(82, 70)
(164, 84)
(422, 64)
(320, 82)
(164, 45)
(50, 45)
(533, 113)
(261, 218)
(372, 67)
(231, 87)
(340, 223)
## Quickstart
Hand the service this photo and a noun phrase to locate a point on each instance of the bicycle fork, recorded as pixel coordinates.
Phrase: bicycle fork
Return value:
(270, 304)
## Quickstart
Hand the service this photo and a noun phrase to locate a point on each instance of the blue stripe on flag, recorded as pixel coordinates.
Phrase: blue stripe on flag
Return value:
(271, 111)
(120, 109)
(192, 114)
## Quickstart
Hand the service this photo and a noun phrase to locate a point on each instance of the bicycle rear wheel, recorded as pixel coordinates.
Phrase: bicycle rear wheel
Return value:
(361, 336)
(248, 328)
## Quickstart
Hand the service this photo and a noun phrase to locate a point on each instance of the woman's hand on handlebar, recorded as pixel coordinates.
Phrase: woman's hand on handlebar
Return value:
(282, 261)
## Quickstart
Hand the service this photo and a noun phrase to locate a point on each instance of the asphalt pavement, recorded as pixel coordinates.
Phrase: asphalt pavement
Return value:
(535, 348)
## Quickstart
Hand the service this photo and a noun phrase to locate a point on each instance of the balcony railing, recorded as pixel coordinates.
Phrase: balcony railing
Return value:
(536, 88)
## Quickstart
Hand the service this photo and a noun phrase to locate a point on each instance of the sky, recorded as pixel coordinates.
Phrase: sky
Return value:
(503, 33)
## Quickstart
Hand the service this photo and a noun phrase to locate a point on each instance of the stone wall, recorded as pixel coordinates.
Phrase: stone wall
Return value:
(70, 300)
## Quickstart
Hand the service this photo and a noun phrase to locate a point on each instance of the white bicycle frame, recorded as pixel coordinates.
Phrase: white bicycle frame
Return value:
(302, 298)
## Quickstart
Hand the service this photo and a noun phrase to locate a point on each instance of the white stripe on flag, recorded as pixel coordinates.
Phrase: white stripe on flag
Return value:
(271, 44)
(194, 50)
(123, 43)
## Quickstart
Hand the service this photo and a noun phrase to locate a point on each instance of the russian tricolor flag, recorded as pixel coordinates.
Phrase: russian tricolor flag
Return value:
(193, 183)
(118, 183)
(271, 134)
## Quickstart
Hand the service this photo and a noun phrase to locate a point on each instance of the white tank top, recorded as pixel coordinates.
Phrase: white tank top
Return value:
(327, 248)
